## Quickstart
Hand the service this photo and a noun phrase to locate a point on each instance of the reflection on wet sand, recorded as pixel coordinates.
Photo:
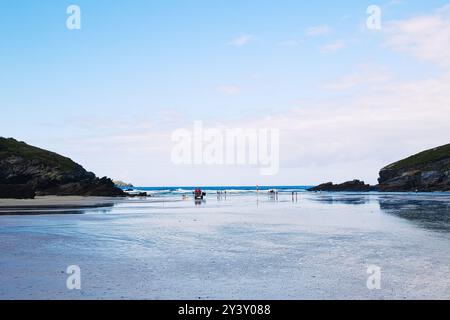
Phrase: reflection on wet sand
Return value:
(429, 213)
(55, 210)
(352, 199)
(199, 202)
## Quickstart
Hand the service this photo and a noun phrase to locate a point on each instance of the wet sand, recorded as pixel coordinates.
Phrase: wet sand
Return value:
(64, 205)
(53, 204)
(243, 247)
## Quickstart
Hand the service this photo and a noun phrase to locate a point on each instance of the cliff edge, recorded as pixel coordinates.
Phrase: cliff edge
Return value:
(427, 171)
(26, 171)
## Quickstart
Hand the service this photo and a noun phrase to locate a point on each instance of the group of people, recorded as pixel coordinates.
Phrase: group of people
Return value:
(221, 193)
(273, 193)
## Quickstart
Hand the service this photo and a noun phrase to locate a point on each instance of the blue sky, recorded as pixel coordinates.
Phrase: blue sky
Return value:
(145, 68)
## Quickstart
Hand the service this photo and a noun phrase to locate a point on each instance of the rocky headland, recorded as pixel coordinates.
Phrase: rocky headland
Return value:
(427, 171)
(27, 171)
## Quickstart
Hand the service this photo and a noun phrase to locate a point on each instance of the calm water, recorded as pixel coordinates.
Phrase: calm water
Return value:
(244, 246)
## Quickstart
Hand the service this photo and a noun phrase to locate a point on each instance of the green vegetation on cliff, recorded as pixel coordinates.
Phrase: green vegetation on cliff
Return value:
(26, 171)
(422, 159)
(11, 147)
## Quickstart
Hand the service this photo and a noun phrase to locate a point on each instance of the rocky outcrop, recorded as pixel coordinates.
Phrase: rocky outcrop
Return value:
(24, 168)
(349, 186)
(16, 191)
(427, 171)
(103, 187)
(122, 184)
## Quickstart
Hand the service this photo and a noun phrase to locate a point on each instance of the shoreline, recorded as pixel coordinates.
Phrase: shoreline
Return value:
(54, 205)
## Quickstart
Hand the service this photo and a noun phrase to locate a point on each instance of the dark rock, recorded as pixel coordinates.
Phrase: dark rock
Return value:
(48, 173)
(103, 187)
(139, 195)
(16, 191)
(349, 186)
(427, 171)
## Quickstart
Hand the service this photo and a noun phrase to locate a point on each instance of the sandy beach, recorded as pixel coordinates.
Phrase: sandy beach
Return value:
(241, 247)
(53, 204)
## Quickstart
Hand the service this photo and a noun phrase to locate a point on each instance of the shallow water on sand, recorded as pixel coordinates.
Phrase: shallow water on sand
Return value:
(318, 246)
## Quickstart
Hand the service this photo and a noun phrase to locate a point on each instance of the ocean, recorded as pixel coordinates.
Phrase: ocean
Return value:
(174, 191)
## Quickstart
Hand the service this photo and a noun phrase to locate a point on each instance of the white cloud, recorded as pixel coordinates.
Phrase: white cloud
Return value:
(425, 37)
(240, 40)
(335, 139)
(229, 90)
(444, 10)
(318, 31)
(378, 126)
(332, 47)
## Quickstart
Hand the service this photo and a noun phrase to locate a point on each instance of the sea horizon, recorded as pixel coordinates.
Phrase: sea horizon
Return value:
(212, 190)
(225, 187)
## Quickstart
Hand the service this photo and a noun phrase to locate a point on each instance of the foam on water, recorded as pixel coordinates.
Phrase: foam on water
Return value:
(175, 191)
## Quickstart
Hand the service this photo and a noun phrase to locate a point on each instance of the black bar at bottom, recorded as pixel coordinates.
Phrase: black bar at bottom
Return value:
(267, 309)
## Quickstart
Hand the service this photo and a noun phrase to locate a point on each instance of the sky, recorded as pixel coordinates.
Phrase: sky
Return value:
(347, 100)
